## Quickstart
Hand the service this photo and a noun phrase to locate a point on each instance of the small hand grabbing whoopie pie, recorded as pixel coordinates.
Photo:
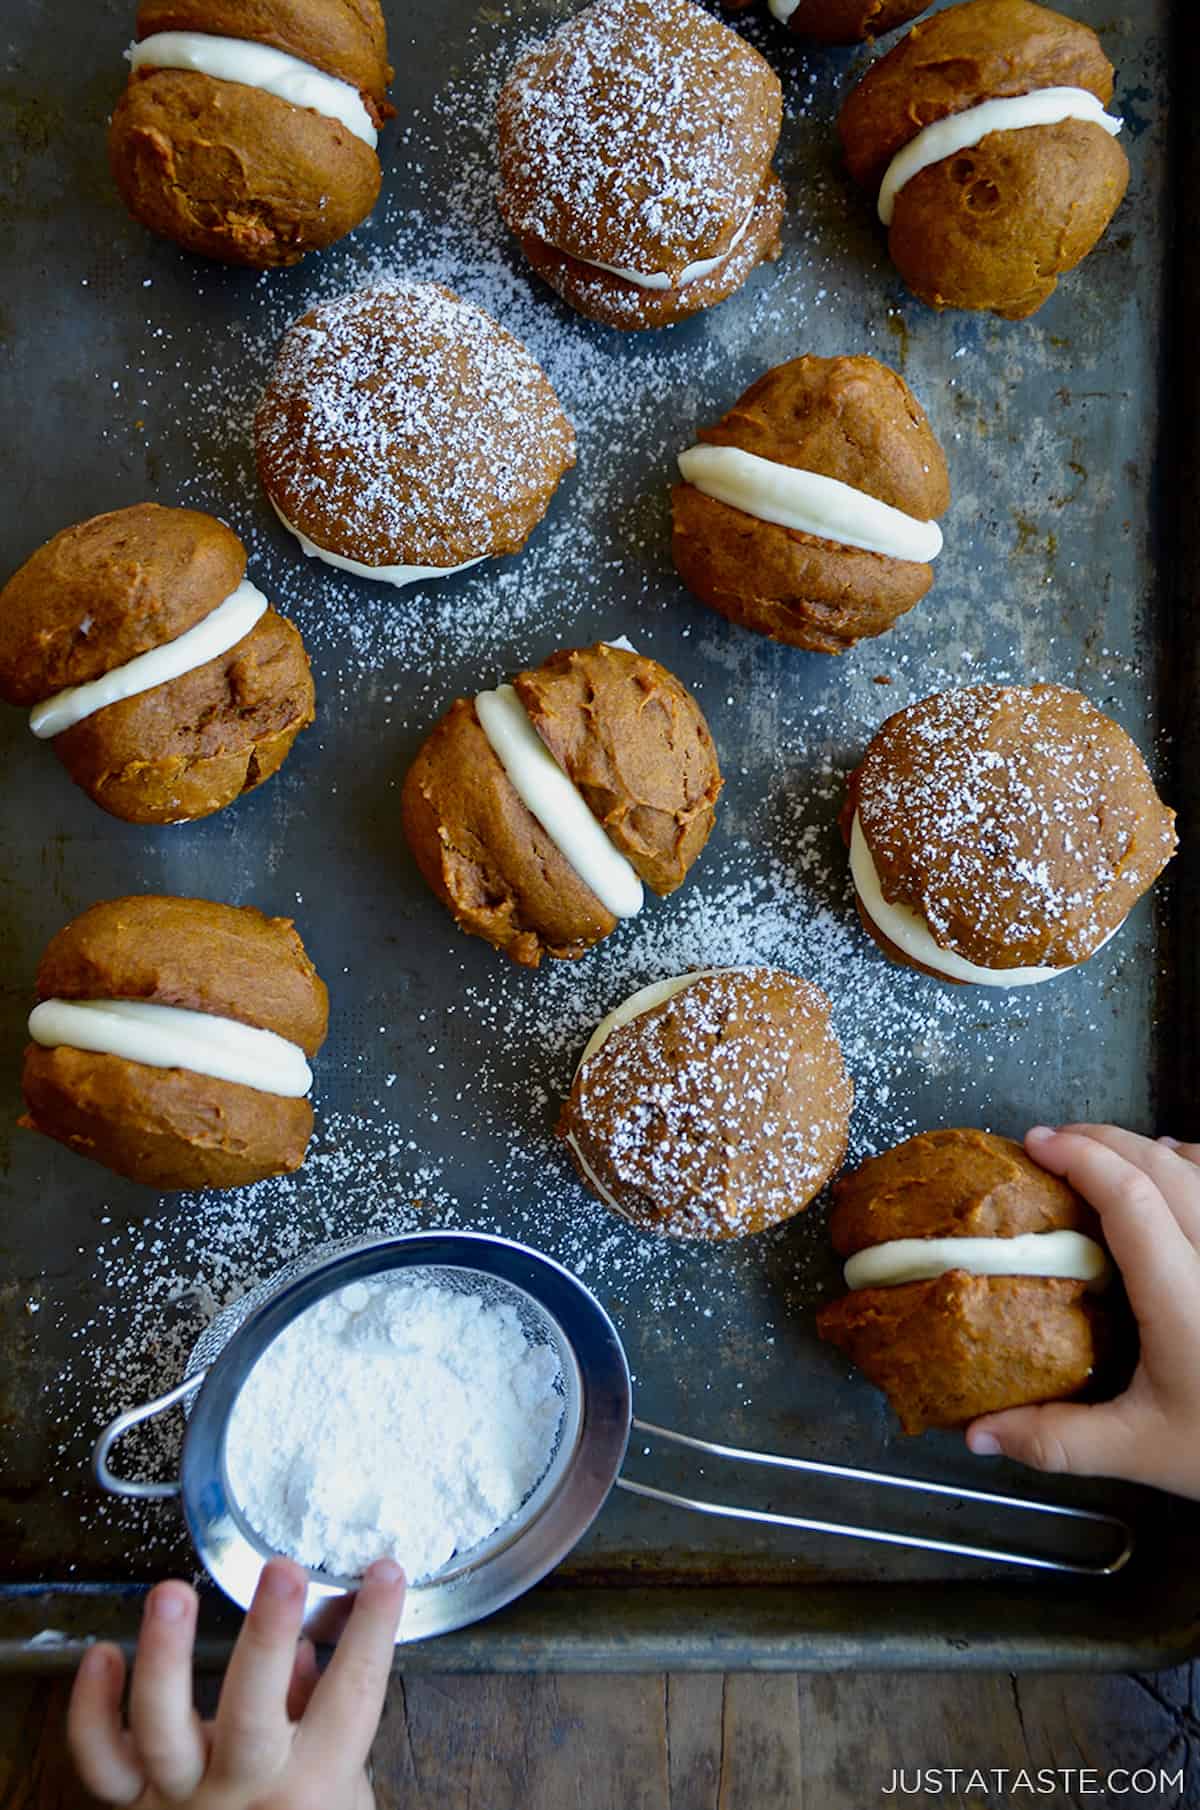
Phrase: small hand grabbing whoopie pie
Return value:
(248, 128)
(711, 1105)
(537, 812)
(404, 435)
(635, 161)
(975, 1279)
(839, 21)
(165, 680)
(984, 135)
(808, 512)
(172, 1040)
(1001, 834)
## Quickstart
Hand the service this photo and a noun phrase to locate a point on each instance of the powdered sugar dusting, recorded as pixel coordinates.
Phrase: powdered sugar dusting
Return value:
(403, 426)
(718, 1112)
(1020, 822)
(638, 135)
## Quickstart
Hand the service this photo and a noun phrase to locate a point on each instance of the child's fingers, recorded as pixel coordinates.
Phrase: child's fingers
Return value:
(344, 1713)
(162, 1714)
(100, 1747)
(1175, 1177)
(1158, 1264)
(306, 1676)
(251, 1735)
(1060, 1436)
(1189, 1152)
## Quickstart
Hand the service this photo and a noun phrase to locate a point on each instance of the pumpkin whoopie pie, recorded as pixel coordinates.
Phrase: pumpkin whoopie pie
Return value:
(984, 135)
(537, 812)
(635, 161)
(171, 1042)
(975, 1279)
(711, 1105)
(808, 513)
(248, 128)
(166, 682)
(404, 434)
(1000, 834)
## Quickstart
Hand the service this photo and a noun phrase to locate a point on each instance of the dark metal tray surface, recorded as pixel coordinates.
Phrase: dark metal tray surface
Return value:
(129, 370)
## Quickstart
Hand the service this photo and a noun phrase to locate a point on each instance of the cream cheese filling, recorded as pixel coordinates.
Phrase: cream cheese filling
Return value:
(808, 502)
(397, 575)
(961, 131)
(174, 1037)
(206, 640)
(546, 791)
(261, 66)
(660, 279)
(1070, 1255)
(912, 935)
(782, 9)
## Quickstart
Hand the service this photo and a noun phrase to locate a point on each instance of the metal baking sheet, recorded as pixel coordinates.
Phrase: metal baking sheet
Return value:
(129, 370)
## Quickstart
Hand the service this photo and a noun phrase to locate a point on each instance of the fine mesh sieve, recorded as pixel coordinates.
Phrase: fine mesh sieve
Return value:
(554, 1308)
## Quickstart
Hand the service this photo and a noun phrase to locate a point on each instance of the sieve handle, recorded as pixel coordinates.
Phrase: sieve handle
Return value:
(133, 1417)
(1123, 1535)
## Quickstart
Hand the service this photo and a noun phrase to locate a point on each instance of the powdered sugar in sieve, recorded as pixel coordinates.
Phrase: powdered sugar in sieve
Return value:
(408, 1416)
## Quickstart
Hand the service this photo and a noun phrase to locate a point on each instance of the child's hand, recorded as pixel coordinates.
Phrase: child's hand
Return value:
(1148, 1198)
(282, 1739)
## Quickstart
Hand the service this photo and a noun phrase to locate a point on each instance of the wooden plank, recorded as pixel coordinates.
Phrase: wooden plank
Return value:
(703, 1742)
(518, 1743)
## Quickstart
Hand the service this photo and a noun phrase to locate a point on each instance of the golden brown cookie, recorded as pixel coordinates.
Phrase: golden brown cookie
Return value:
(1002, 831)
(994, 224)
(635, 147)
(948, 1347)
(956, 1183)
(207, 151)
(714, 1110)
(957, 1346)
(850, 419)
(119, 587)
(634, 751)
(167, 1124)
(403, 433)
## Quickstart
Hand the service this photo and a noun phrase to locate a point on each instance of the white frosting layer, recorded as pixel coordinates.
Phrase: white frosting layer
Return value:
(397, 575)
(809, 502)
(594, 1179)
(911, 934)
(173, 1037)
(258, 66)
(691, 273)
(207, 640)
(959, 131)
(782, 9)
(546, 791)
(1067, 1254)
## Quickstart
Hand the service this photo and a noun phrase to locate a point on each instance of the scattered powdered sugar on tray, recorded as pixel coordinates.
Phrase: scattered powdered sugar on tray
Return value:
(395, 1418)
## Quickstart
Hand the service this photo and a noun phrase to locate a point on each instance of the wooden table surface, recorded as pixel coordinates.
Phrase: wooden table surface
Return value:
(711, 1742)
